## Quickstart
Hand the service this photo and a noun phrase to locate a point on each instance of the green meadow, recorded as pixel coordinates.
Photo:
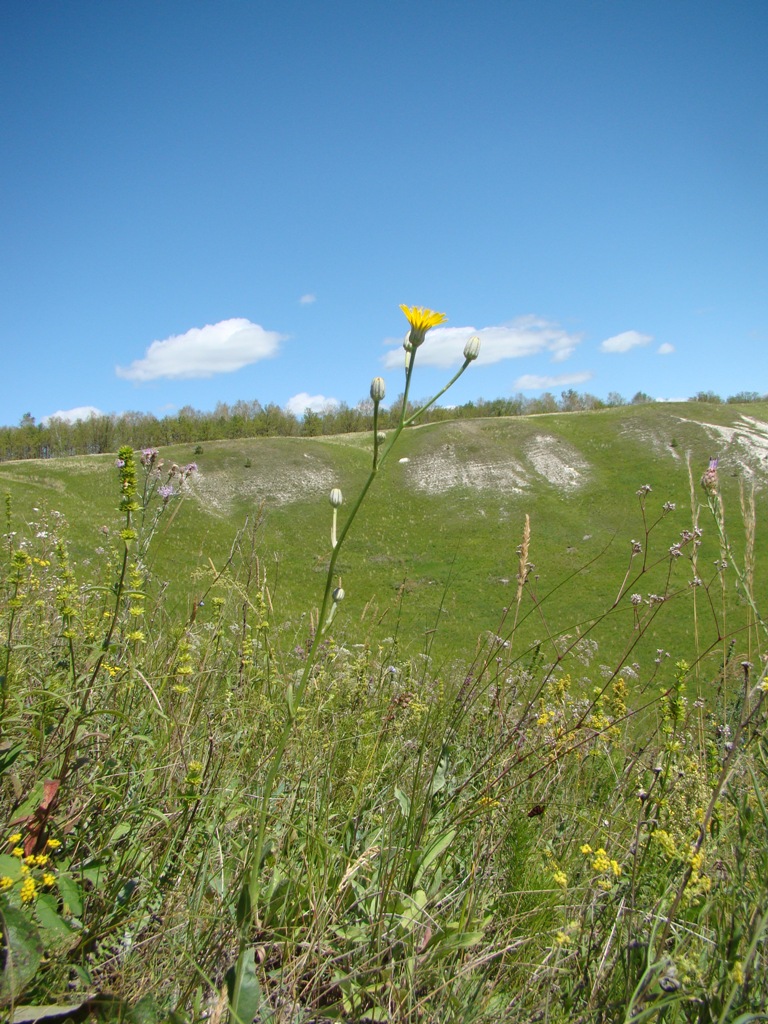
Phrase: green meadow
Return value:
(498, 755)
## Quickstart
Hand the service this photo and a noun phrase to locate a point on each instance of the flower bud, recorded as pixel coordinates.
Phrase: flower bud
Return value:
(378, 389)
(336, 497)
(338, 595)
(472, 349)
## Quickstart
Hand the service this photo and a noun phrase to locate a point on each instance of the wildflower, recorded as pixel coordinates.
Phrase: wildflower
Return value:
(637, 547)
(709, 480)
(338, 594)
(17, 851)
(137, 636)
(421, 320)
(148, 456)
(636, 599)
(562, 938)
(53, 844)
(472, 349)
(15, 838)
(48, 879)
(586, 849)
(5, 883)
(560, 878)
(28, 891)
(166, 492)
(378, 389)
(336, 497)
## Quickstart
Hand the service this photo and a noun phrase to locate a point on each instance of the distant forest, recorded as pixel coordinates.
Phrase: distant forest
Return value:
(56, 438)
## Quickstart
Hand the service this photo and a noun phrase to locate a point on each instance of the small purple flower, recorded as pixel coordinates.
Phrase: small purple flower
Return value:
(709, 480)
(191, 467)
(119, 463)
(148, 456)
(166, 492)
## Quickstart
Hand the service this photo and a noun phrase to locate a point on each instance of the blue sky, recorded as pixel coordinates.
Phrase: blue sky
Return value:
(208, 202)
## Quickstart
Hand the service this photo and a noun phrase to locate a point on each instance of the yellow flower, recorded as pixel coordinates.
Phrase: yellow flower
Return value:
(28, 890)
(15, 838)
(49, 879)
(421, 320)
(5, 883)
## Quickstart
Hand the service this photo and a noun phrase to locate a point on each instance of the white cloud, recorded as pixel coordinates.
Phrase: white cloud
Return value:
(625, 341)
(80, 412)
(204, 351)
(299, 403)
(665, 349)
(308, 299)
(533, 382)
(524, 336)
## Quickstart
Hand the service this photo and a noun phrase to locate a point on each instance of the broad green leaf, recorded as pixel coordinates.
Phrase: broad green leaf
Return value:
(22, 952)
(10, 866)
(32, 1014)
(433, 851)
(55, 931)
(71, 894)
(404, 801)
(243, 987)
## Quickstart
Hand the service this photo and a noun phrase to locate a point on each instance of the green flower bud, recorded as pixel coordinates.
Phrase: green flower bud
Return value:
(378, 389)
(336, 497)
(472, 349)
(338, 595)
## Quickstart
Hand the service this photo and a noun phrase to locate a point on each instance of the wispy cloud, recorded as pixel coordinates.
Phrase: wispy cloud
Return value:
(625, 341)
(534, 382)
(524, 336)
(80, 412)
(665, 349)
(308, 299)
(303, 401)
(204, 351)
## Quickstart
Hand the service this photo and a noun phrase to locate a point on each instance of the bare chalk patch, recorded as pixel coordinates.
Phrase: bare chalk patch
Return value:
(445, 470)
(557, 461)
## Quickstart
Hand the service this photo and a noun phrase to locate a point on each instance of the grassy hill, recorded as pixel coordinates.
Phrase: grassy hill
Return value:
(433, 556)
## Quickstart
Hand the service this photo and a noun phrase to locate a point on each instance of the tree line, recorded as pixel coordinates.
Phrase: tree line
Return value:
(56, 438)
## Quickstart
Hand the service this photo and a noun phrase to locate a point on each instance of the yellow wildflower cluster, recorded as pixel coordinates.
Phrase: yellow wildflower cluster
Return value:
(608, 867)
(29, 875)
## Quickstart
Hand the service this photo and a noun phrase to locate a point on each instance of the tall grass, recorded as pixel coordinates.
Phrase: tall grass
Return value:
(207, 815)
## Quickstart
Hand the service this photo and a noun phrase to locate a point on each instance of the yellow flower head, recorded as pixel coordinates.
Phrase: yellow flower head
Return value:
(421, 320)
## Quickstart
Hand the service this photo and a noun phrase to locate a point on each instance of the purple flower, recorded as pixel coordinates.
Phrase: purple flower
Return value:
(165, 491)
(148, 456)
(191, 467)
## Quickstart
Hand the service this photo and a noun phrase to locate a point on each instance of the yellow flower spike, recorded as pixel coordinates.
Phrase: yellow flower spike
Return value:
(421, 320)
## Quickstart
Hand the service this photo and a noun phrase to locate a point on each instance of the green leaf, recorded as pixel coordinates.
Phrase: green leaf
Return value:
(55, 931)
(70, 892)
(243, 988)
(404, 801)
(433, 851)
(10, 866)
(32, 1014)
(21, 954)
(8, 753)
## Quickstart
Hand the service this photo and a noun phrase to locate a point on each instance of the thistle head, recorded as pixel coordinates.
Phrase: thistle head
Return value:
(709, 480)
